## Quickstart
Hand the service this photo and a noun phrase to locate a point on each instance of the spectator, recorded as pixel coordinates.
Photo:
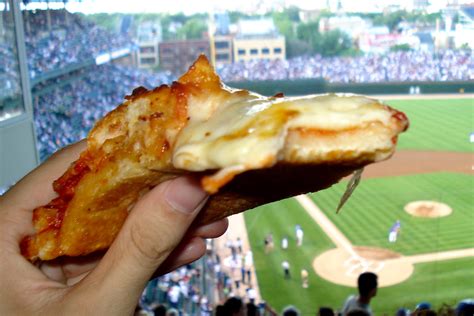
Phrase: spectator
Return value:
(234, 307)
(325, 311)
(238, 245)
(290, 311)
(172, 312)
(424, 309)
(465, 307)
(367, 285)
(252, 309)
(251, 294)
(160, 310)
(220, 311)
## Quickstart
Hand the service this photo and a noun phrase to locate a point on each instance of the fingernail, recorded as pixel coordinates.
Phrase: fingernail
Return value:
(185, 194)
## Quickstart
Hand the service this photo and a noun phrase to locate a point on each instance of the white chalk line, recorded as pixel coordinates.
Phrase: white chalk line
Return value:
(341, 241)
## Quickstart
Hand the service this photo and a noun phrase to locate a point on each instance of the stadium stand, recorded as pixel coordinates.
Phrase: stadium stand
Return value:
(73, 39)
(449, 65)
(8, 74)
(67, 107)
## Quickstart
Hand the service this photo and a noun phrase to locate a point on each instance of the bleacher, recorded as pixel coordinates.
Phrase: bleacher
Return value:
(66, 43)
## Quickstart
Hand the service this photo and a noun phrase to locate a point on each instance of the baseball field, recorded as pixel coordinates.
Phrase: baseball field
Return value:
(433, 256)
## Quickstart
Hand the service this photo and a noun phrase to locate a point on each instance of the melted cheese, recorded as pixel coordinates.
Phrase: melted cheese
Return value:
(248, 131)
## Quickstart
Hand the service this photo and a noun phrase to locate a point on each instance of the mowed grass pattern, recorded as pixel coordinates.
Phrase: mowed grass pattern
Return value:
(377, 203)
(437, 124)
(438, 282)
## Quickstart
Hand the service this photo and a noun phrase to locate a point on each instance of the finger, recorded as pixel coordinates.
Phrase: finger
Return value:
(63, 269)
(154, 228)
(74, 266)
(193, 246)
(212, 230)
(38, 183)
(188, 251)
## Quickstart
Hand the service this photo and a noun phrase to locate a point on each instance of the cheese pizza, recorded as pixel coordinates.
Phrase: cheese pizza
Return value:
(247, 150)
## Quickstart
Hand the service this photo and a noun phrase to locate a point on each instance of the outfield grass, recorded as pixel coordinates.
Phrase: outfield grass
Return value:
(442, 282)
(378, 203)
(437, 124)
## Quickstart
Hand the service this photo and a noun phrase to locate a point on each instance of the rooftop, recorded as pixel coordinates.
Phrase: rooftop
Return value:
(257, 28)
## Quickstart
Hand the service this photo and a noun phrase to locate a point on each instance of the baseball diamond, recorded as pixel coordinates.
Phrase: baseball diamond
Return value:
(432, 257)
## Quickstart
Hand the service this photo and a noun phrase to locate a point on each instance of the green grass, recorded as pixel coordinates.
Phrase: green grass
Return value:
(365, 220)
(377, 203)
(437, 124)
(442, 282)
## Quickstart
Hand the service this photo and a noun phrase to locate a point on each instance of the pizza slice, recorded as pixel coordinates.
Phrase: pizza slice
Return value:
(247, 149)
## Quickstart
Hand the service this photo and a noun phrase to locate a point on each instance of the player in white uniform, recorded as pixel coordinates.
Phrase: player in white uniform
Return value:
(394, 230)
(299, 235)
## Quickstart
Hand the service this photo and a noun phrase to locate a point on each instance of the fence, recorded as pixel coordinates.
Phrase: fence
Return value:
(313, 86)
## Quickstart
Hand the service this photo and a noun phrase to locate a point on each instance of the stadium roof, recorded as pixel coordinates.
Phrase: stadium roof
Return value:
(469, 11)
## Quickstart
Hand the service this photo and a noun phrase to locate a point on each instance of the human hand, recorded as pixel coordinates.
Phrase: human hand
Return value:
(157, 237)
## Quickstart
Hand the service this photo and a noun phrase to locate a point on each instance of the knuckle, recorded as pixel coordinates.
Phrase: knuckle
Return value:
(147, 246)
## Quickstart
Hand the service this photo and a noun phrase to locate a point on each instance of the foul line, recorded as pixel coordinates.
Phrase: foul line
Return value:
(341, 241)
(326, 225)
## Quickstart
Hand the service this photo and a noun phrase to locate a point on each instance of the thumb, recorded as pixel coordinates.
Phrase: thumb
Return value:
(155, 226)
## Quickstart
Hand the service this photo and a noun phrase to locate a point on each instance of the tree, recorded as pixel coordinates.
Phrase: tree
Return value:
(400, 48)
(391, 20)
(192, 29)
(332, 43)
(307, 32)
(296, 47)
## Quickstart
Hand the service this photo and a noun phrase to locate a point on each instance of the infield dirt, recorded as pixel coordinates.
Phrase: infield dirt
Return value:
(341, 266)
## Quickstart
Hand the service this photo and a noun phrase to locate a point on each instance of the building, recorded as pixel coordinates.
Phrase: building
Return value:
(223, 49)
(149, 37)
(222, 40)
(176, 56)
(308, 15)
(426, 41)
(258, 39)
(464, 34)
(455, 34)
(353, 26)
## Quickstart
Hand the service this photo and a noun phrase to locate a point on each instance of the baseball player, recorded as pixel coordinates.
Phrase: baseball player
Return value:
(394, 230)
(299, 235)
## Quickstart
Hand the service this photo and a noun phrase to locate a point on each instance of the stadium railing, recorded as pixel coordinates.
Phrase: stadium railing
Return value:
(62, 71)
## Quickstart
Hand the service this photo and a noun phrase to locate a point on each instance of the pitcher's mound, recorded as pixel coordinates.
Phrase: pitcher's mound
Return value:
(343, 267)
(429, 209)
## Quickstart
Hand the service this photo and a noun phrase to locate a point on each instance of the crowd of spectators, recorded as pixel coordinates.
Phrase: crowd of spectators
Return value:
(71, 39)
(9, 73)
(181, 291)
(65, 110)
(449, 65)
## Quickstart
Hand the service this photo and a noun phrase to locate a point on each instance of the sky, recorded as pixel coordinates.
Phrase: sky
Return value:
(193, 6)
